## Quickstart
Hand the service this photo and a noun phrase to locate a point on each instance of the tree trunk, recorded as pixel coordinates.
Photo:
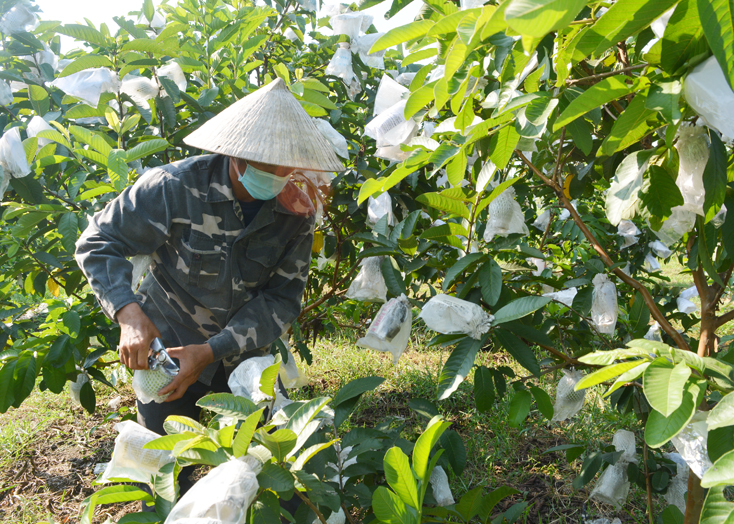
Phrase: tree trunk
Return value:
(694, 501)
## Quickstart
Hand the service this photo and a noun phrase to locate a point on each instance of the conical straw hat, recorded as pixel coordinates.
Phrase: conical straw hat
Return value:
(268, 126)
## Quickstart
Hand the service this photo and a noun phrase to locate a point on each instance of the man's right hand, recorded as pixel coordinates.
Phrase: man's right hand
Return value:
(136, 334)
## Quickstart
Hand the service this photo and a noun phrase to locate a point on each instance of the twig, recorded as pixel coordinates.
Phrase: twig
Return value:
(310, 505)
(648, 485)
(70, 202)
(45, 270)
(331, 293)
(558, 157)
(649, 301)
(593, 78)
(547, 229)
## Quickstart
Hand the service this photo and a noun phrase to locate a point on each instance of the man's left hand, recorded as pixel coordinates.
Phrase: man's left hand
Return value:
(191, 362)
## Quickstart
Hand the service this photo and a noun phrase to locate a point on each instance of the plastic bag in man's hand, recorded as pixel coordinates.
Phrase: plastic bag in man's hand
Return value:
(369, 284)
(604, 304)
(130, 460)
(505, 216)
(448, 315)
(148, 382)
(224, 494)
(568, 401)
(390, 329)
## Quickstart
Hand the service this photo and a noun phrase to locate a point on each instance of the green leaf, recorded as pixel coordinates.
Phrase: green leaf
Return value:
(177, 424)
(145, 45)
(519, 408)
(470, 504)
(722, 414)
(389, 509)
(268, 379)
(606, 373)
(305, 414)
(543, 401)
(601, 93)
(451, 442)
(309, 453)
(355, 388)
(717, 20)
(664, 97)
(457, 366)
(279, 443)
(317, 98)
(393, 279)
(662, 194)
(117, 169)
(111, 495)
(72, 323)
(228, 405)
(459, 268)
(629, 128)
(484, 394)
(69, 228)
(245, 433)
(168, 442)
(86, 62)
(26, 370)
(519, 350)
(663, 385)
(714, 178)
(659, 429)
(716, 508)
(519, 308)
(402, 34)
(83, 32)
(490, 281)
(146, 148)
(721, 473)
(7, 394)
(443, 203)
(639, 317)
(539, 17)
(424, 445)
(591, 465)
(502, 144)
(87, 397)
(39, 100)
(444, 230)
(683, 38)
(491, 500)
(400, 477)
(275, 478)
(448, 24)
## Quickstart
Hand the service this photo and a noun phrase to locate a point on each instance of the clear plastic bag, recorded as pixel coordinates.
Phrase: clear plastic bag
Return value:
(680, 222)
(350, 24)
(291, 375)
(369, 284)
(693, 153)
(140, 89)
(604, 309)
(389, 93)
(708, 93)
(612, 487)
(362, 45)
(684, 303)
(629, 233)
(678, 487)
(450, 315)
(505, 216)
(654, 333)
(147, 383)
(691, 443)
(390, 329)
(379, 207)
(660, 249)
(130, 460)
(13, 159)
(354, 88)
(720, 217)
(471, 4)
(224, 494)
(440, 487)
(651, 263)
(88, 85)
(390, 128)
(392, 153)
(564, 296)
(624, 441)
(35, 126)
(19, 19)
(140, 263)
(175, 74)
(404, 79)
(543, 220)
(340, 64)
(6, 93)
(309, 5)
(568, 402)
(245, 379)
(338, 142)
(75, 388)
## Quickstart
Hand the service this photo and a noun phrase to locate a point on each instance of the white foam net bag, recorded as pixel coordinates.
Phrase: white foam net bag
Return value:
(449, 315)
(604, 310)
(390, 329)
(130, 460)
(369, 284)
(612, 487)
(505, 216)
(678, 487)
(624, 441)
(88, 85)
(147, 383)
(568, 401)
(440, 487)
(224, 494)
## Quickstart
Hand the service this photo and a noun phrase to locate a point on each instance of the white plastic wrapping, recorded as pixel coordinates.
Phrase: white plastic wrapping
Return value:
(140, 263)
(678, 487)
(604, 521)
(505, 216)
(337, 141)
(564, 296)
(660, 249)
(693, 153)
(130, 460)
(362, 45)
(291, 375)
(470, 4)
(35, 126)
(174, 73)
(392, 153)
(651, 263)
(629, 233)
(658, 26)
(568, 402)
(140, 89)
(543, 220)
(390, 127)
(708, 93)
(369, 284)
(720, 217)
(6, 93)
(350, 24)
(13, 159)
(18, 20)
(224, 494)
(440, 487)
(88, 85)
(691, 443)
(390, 329)
(684, 300)
(405, 79)
(147, 383)
(654, 333)
(624, 441)
(612, 487)
(450, 315)
(245, 380)
(389, 93)
(539, 264)
(379, 207)
(336, 517)
(680, 222)
(340, 64)
(604, 309)
(75, 388)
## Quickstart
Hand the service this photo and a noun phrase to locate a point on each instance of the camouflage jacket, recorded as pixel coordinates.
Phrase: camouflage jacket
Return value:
(212, 279)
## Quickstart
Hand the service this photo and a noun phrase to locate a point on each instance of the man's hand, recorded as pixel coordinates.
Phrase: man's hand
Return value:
(192, 360)
(136, 334)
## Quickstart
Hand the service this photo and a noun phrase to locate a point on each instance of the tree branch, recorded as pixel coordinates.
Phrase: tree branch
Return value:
(305, 499)
(594, 78)
(652, 306)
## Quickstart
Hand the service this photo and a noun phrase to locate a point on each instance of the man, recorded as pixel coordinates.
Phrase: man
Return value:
(230, 237)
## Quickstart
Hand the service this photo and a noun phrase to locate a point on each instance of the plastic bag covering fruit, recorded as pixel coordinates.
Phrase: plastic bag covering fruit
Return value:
(543, 220)
(13, 159)
(568, 401)
(390, 128)
(140, 89)
(691, 444)
(130, 460)
(35, 126)
(440, 487)
(708, 93)
(660, 249)
(678, 487)
(75, 388)
(450, 315)
(720, 217)
(470, 4)
(680, 222)
(505, 216)
(18, 20)
(245, 380)
(290, 374)
(684, 303)
(612, 487)
(604, 304)
(224, 494)
(340, 64)
(624, 442)
(390, 329)
(604, 521)
(379, 207)
(88, 85)
(564, 296)
(629, 233)
(651, 263)
(693, 152)
(336, 517)
(350, 24)
(369, 285)
(175, 74)
(362, 45)
(6, 94)
(654, 333)
(147, 383)
(338, 142)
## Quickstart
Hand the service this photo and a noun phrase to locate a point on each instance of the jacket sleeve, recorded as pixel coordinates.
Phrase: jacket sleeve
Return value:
(136, 222)
(264, 318)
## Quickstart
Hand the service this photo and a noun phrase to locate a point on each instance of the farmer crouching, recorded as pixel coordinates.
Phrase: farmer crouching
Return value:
(230, 237)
